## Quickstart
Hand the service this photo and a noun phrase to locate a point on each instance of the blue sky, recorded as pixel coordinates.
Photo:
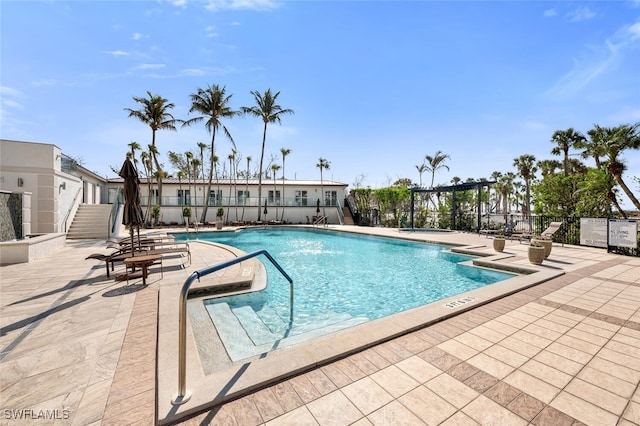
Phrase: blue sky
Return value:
(375, 85)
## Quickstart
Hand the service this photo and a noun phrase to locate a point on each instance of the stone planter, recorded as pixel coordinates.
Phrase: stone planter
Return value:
(547, 244)
(218, 224)
(536, 254)
(498, 244)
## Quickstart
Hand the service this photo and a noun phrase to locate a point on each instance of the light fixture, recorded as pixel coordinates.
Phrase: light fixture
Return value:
(63, 185)
(20, 182)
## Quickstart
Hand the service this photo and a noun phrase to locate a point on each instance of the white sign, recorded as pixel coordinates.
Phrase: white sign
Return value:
(593, 232)
(623, 233)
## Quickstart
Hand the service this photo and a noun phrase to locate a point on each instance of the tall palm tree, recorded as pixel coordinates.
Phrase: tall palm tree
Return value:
(322, 165)
(189, 158)
(147, 164)
(421, 169)
(434, 164)
(202, 147)
(134, 146)
(195, 164)
(274, 169)
(269, 111)
(594, 146)
(495, 175)
(506, 181)
(527, 169)
(548, 167)
(619, 139)
(212, 103)
(565, 140)
(154, 111)
(285, 152)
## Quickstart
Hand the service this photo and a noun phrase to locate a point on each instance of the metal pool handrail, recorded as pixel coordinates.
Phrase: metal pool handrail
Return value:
(183, 394)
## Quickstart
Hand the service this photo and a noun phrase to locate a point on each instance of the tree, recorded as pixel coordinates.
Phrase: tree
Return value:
(617, 140)
(421, 169)
(246, 188)
(269, 111)
(434, 164)
(285, 152)
(527, 169)
(323, 164)
(212, 103)
(154, 111)
(202, 147)
(565, 140)
(135, 146)
(548, 167)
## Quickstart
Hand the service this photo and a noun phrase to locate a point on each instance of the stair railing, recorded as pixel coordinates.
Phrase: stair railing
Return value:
(73, 204)
(183, 394)
(112, 224)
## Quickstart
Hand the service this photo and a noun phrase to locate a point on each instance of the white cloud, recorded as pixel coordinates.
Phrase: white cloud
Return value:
(550, 12)
(259, 5)
(53, 82)
(11, 104)
(9, 91)
(149, 66)
(138, 36)
(116, 53)
(191, 72)
(580, 14)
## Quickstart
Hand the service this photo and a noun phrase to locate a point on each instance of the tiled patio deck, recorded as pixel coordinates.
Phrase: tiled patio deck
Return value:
(562, 352)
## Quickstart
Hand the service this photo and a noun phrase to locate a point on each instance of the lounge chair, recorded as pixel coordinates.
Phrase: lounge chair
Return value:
(547, 233)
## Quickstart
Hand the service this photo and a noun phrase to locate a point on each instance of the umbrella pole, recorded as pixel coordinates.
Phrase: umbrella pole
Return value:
(132, 241)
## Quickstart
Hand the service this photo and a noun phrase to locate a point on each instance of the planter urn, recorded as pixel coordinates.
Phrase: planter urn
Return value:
(536, 254)
(546, 243)
(498, 244)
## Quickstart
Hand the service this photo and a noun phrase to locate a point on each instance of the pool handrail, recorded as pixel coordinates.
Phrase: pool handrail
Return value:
(183, 394)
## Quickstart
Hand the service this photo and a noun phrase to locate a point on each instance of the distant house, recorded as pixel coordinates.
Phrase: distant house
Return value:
(52, 186)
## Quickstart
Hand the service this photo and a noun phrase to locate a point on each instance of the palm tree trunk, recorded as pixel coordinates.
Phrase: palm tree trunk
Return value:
(283, 199)
(207, 195)
(264, 138)
(627, 191)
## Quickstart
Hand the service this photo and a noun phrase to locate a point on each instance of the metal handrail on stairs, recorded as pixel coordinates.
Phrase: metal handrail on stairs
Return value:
(183, 394)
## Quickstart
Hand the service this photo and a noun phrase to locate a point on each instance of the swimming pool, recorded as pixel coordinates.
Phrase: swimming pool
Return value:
(340, 280)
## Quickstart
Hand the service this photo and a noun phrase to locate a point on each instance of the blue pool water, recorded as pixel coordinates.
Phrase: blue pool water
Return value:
(340, 280)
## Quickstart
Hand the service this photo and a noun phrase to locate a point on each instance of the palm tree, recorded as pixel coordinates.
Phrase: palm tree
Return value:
(565, 140)
(527, 169)
(548, 167)
(594, 146)
(421, 169)
(135, 146)
(434, 164)
(195, 163)
(269, 111)
(147, 164)
(506, 181)
(323, 164)
(202, 147)
(274, 169)
(285, 152)
(213, 103)
(619, 139)
(495, 175)
(155, 113)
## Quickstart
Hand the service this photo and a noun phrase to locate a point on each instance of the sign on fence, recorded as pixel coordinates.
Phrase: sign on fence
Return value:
(593, 232)
(623, 233)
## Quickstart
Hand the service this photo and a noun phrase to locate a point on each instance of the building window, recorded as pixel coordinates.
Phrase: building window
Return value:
(184, 197)
(301, 198)
(274, 201)
(330, 198)
(215, 198)
(153, 197)
(243, 196)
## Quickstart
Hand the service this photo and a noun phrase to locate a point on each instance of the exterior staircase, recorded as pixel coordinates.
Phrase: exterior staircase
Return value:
(348, 219)
(90, 222)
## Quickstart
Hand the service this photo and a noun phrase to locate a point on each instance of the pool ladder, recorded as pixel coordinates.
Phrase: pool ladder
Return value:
(183, 394)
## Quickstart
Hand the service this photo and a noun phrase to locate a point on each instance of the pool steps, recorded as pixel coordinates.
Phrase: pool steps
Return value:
(232, 324)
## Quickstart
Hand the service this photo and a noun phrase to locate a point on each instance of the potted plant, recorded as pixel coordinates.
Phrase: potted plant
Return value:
(536, 252)
(546, 242)
(186, 214)
(155, 214)
(219, 215)
(498, 243)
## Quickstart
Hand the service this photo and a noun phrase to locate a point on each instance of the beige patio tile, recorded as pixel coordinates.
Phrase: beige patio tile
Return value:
(367, 395)
(597, 396)
(286, 396)
(473, 341)
(395, 381)
(457, 349)
(487, 333)
(582, 410)
(514, 320)
(491, 365)
(501, 327)
(454, 392)
(509, 357)
(526, 406)
(624, 348)
(334, 408)
(301, 416)
(532, 339)
(535, 387)
(616, 370)
(559, 362)
(550, 325)
(459, 419)
(427, 405)
(620, 358)
(632, 413)
(520, 346)
(394, 413)
(267, 404)
(418, 368)
(569, 352)
(487, 412)
(549, 374)
(607, 381)
(245, 411)
(542, 331)
(320, 381)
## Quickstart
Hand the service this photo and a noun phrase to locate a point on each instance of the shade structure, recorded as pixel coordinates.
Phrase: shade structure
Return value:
(318, 206)
(132, 215)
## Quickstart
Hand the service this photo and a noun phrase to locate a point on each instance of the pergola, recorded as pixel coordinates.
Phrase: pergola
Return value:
(453, 189)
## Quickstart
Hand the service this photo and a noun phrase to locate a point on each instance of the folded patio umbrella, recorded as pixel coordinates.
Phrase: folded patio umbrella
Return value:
(132, 215)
